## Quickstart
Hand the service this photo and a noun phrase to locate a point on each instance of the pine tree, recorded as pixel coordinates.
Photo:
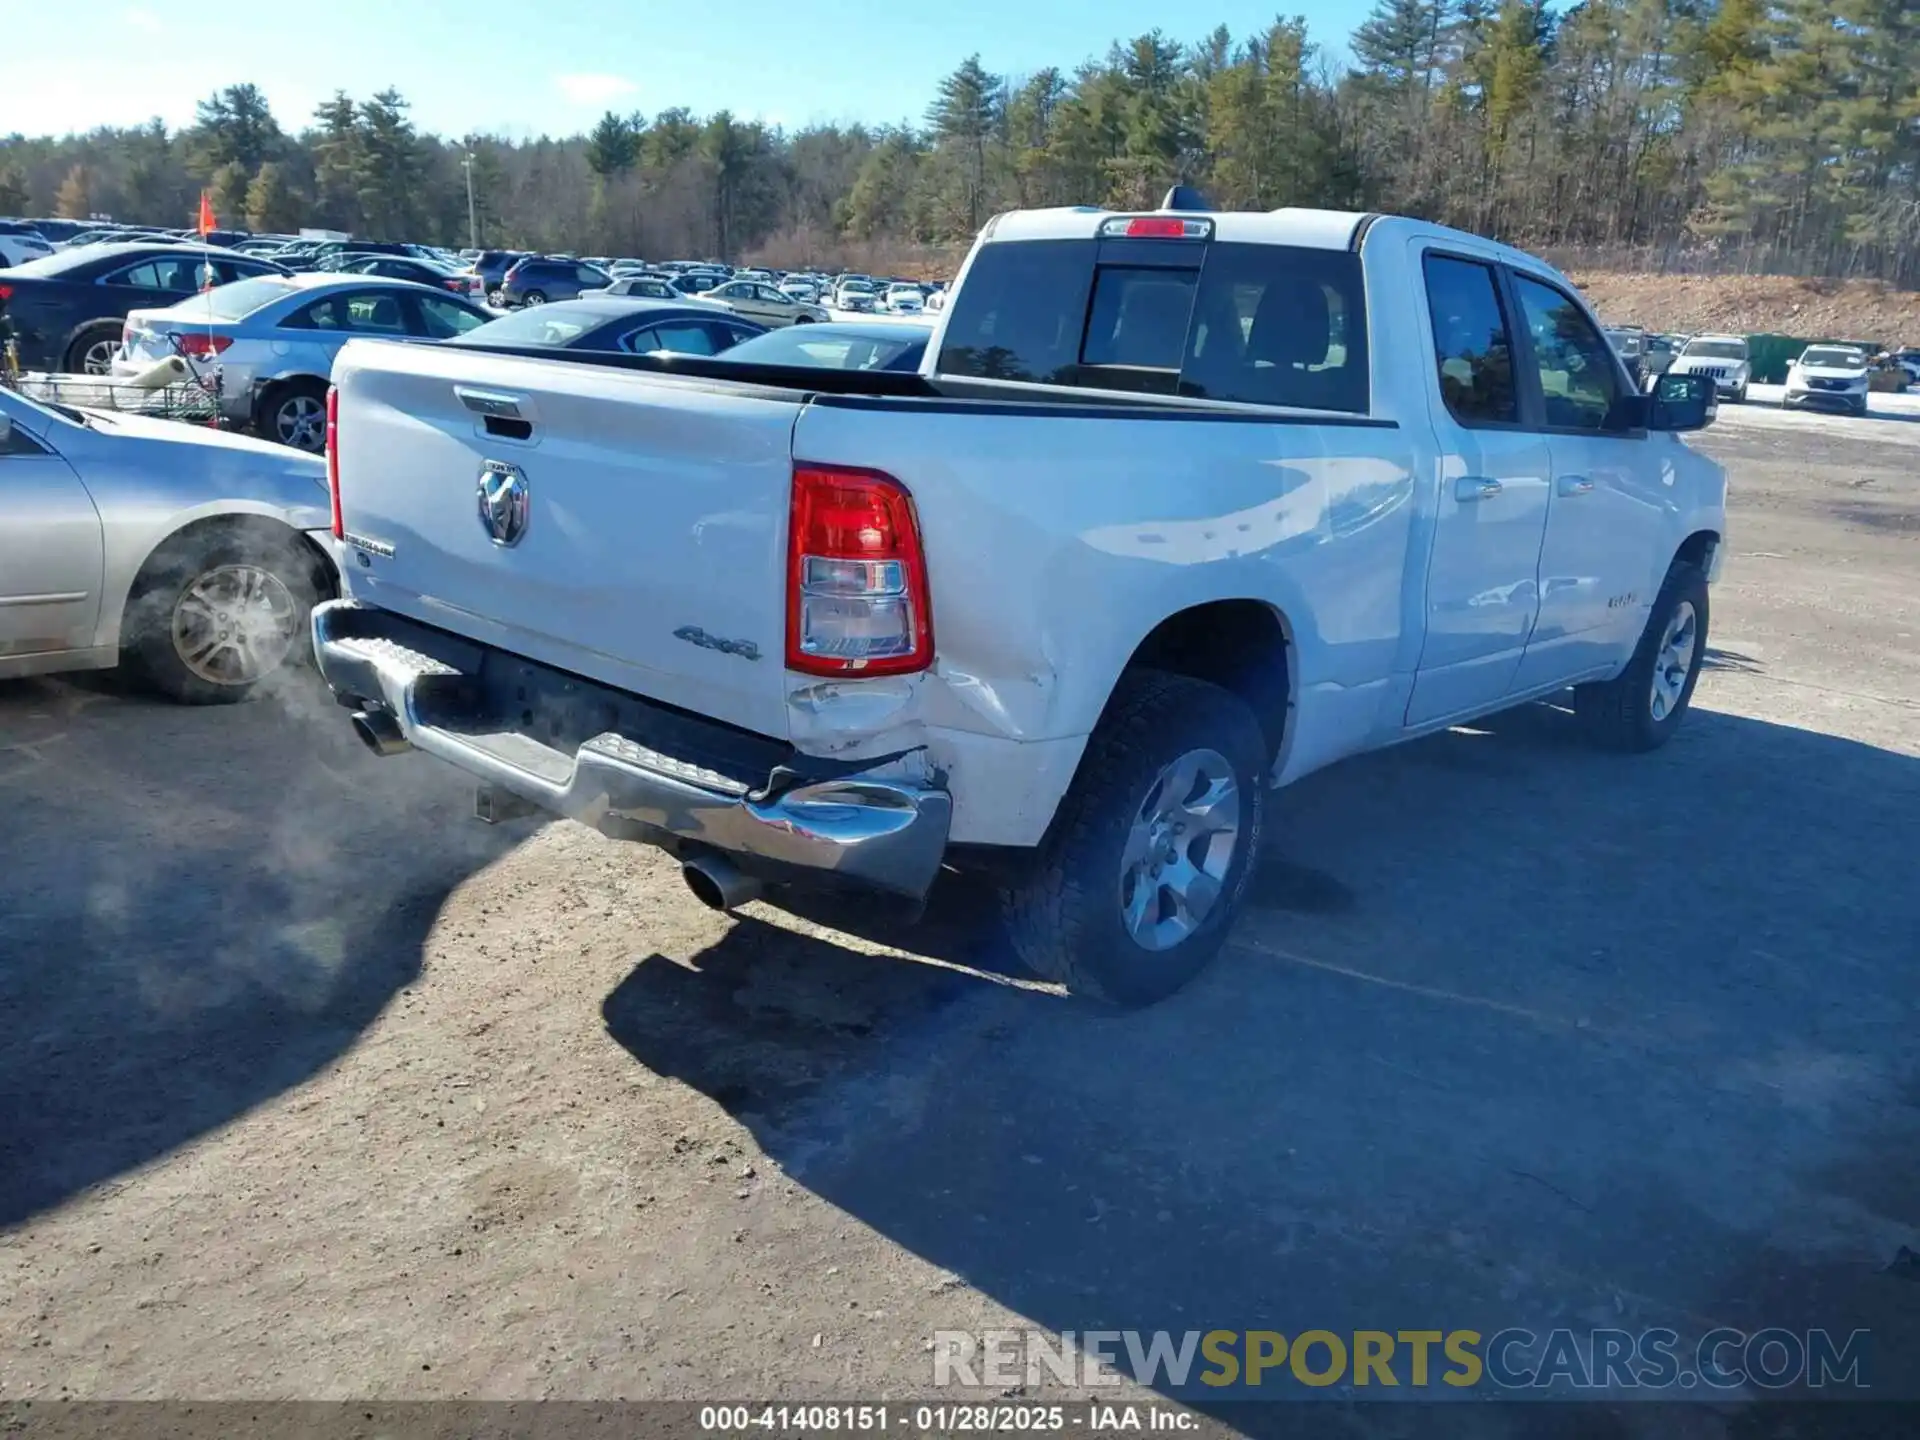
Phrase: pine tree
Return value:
(271, 204)
(75, 200)
(613, 146)
(965, 114)
(14, 197)
(228, 193)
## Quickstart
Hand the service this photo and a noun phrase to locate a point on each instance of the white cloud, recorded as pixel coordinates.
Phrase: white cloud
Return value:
(135, 17)
(593, 89)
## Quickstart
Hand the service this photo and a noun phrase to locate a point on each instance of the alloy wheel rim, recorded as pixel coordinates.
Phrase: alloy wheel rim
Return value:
(299, 422)
(1674, 661)
(1179, 850)
(235, 624)
(98, 359)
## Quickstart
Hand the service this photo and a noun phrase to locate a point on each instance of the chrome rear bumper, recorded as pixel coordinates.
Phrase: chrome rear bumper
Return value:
(662, 777)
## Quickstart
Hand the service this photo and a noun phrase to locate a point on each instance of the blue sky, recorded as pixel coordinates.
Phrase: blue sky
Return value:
(524, 67)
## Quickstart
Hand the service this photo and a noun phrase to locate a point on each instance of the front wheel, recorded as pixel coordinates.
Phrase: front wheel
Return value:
(1144, 868)
(1640, 708)
(214, 614)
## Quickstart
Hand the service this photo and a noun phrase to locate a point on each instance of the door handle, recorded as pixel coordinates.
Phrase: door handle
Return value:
(1571, 485)
(1475, 487)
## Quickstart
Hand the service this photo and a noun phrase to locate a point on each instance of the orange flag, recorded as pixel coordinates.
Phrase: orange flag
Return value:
(207, 222)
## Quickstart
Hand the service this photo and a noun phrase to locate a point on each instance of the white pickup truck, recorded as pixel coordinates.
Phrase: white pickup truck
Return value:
(1183, 506)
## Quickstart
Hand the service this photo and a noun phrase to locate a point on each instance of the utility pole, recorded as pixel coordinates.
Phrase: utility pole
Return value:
(473, 223)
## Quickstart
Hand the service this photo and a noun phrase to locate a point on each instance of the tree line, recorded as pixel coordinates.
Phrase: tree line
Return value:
(1778, 135)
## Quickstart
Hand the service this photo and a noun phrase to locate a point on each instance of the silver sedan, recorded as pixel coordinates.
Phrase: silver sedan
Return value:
(191, 556)
(273, 340)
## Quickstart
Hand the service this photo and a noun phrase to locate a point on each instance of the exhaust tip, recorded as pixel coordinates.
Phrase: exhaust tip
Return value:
(379, 732)
(717, 884)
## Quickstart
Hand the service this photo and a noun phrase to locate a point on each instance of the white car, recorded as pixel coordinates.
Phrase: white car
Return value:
(1721, 358)
(904, 300)
(273, 339)
(189, 555)
(860, 296)
(1828, 376)
(877, 627)
(20, 242)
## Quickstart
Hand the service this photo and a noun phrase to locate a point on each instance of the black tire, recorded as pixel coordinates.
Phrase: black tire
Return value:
(1740, 396)
(93, 346)
(1064, 916)
(147, 646)
(496, 299)
(803, 320)
(534, 297)
(277, 404)
(1619, 713)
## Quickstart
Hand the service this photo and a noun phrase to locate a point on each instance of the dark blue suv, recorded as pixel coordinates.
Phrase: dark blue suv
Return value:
(538, 279)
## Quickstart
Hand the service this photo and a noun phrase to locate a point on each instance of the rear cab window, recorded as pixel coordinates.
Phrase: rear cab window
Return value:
(1247, 323)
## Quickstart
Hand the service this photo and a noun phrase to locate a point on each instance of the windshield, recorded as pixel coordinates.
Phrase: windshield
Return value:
(828, 349)
(1717, 349)
(243, 297)
(539, 325)
(1835, 356)
(856, 285)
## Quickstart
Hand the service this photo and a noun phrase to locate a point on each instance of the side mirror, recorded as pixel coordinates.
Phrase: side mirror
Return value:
(1683, 402)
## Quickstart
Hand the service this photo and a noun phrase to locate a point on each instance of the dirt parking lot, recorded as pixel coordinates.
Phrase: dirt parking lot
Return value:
(317, 1088)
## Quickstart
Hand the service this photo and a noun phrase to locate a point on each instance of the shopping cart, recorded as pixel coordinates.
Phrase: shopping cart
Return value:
(177, 388)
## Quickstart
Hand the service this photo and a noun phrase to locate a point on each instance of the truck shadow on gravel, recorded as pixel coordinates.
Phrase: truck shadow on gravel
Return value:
(183, 939)
(1518, 1035)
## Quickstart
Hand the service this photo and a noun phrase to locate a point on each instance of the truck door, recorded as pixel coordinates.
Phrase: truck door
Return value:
(1611, 517)
(1483, 577)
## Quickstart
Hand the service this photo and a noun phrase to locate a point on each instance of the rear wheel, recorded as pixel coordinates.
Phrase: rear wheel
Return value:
(93, 349)
(496, 299)
(295, 414)
(534, 297)
(217, 611)
(1144, 868)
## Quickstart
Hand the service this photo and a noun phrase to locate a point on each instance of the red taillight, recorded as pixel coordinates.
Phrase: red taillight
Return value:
(198, 345)
(459, 287)
(1154, 225)
(857, 595)
(6, 292)
(333, 460)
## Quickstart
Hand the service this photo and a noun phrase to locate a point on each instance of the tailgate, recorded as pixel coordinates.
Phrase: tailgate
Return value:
(636, 531)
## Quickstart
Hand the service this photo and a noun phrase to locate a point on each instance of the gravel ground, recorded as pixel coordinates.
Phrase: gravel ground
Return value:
(316, 1088)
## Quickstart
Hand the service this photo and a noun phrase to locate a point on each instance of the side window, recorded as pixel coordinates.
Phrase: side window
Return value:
(1579, 376)
(365, 313)
(148, 275)
(1471, 342)
(225, 272)
(725, 337)
(639, 342)
(587, 275)
(685, 337)
(1279, 325)
(441, 320)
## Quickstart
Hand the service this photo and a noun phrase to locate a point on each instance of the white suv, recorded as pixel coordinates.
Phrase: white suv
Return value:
(1723, 357)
